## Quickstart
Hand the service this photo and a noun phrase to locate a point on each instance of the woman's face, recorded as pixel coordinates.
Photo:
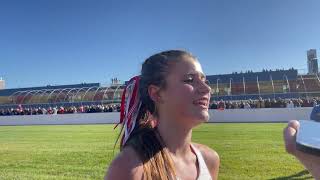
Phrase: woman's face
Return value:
(186, 96)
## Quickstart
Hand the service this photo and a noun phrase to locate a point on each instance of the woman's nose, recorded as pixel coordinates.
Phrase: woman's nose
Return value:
(204, 88)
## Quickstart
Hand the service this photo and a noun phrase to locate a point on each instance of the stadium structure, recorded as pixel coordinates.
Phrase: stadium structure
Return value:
(62, 95)
(235, 86)
(265, 84)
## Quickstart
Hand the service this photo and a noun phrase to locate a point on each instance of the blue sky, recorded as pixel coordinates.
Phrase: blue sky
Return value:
(72, 41)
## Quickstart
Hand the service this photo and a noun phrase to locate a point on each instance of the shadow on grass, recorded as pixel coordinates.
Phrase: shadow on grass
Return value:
(295, 176)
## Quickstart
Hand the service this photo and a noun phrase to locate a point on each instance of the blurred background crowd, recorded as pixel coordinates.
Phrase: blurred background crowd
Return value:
(105, 108)
(60, 110)
(265, 103)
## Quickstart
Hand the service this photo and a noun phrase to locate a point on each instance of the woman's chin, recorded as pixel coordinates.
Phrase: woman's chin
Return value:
(205, 117)
(202, 113)
(196, 117)
(202, 117)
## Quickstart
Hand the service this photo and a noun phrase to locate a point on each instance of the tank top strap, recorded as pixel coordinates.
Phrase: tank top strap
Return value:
(204, 173)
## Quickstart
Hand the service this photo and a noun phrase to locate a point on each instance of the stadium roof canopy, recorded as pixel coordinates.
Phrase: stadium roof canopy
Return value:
(8, 92)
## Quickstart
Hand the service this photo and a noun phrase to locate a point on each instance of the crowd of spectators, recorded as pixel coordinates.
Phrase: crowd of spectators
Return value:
(59, 110)
(242, 104)
(264, 103)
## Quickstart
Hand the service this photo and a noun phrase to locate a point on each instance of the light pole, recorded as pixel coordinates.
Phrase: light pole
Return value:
(244, 85)
(274, 95)
(305, 89)
(217, 90)
(258, 85)
(230, 85)
(287, 82)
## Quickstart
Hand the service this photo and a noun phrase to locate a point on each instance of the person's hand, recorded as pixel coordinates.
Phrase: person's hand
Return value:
(310, 162)
(289, 134)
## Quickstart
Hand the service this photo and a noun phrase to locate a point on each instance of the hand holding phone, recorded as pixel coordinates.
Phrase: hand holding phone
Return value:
(308, 137)
(307, 153)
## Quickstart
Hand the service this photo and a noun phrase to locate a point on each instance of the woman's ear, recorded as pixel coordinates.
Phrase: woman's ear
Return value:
(154, 93)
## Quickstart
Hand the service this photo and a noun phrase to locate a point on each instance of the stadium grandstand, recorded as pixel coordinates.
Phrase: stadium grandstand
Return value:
(63, 95)
(266, 84)
(236, 86)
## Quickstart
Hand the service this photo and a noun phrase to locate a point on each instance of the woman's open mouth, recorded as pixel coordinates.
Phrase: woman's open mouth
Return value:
(202, 102)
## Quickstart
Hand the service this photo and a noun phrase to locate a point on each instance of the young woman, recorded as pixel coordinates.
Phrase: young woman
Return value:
(158, 112)
(161, 107)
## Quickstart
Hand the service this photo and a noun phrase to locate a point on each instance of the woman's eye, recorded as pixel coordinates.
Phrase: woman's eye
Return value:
(189, 80)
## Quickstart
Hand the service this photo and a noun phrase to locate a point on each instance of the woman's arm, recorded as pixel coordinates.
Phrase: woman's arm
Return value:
(310, 162)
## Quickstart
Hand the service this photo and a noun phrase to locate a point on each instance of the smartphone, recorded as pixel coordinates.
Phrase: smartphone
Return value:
(308, 137)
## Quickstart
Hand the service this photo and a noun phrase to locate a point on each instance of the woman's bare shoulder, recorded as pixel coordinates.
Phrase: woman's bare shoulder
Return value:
(211, 158)
(126, 165)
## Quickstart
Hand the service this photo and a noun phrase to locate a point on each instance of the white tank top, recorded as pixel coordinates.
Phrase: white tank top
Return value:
(204, 173)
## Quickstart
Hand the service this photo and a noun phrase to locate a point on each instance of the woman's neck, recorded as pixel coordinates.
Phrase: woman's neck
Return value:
(176, 137)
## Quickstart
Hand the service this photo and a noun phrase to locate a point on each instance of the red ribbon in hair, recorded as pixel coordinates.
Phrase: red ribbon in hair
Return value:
(129, 110)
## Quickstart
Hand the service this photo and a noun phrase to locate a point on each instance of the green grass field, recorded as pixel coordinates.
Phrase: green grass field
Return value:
(247, 151)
